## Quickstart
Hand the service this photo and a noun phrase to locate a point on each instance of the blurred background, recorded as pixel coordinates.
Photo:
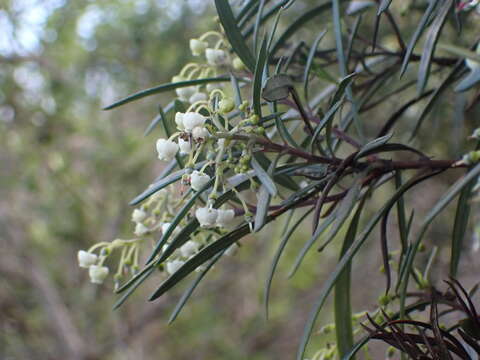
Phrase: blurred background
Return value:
(68, 170)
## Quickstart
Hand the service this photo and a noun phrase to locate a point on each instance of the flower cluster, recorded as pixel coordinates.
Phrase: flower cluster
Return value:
(212, 139)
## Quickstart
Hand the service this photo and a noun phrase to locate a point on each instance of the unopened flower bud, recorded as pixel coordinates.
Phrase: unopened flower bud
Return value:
(226, 105)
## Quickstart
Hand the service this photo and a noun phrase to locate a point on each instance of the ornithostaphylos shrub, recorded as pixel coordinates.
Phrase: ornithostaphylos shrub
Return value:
(291, 108)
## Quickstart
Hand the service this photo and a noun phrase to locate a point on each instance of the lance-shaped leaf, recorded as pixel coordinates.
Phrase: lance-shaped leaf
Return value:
(311, 57)
(470, 80)
(384, 5)
(258, 78)
(372, 145)
(416, 35)
(264, 178)
(165, 87)
(429, 47)
(233, 33)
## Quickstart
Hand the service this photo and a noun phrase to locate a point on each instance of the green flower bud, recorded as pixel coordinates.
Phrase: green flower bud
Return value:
(384, 300)
(226, 105)
(260, 130)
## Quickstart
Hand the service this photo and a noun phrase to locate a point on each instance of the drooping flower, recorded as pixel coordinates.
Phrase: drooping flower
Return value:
(179, 120)
(216, 57)
(166, 226)
(197, 46)
(189, 248)
(185, 146)
(198, 96)
(166, 149)
(138, 215)
(199, 134)
(141, 229)
(184, 93)
(198, 180)
(173, 266)
(206, 216)
(225, 218)
(191, 120)
(98, 273)
(86, 259)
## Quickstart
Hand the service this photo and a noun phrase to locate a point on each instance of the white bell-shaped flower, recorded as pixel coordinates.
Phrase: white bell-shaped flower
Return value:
(198, 96)
(212, 86)
(191, 120)
(225, 218)
(97, 273)
(189, 248)
(138, 215)
(185, 146)
(206, 216)
(166, 226)
(232, 250)
(184, 93)
(197, 46)
(198, 180)
(216, 57)
(86, 259)
(166, 149)
(199, 134)
(179, 120)
(173, 266)
(141, 229)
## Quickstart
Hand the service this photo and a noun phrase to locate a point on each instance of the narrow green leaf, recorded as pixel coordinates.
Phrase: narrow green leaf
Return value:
(308, 245)
(263, 202)
(376, 143)
(472, 79)
(297, 25)
(188, 293)
(205, 254)
(157, 119)
(432, 37)
(452, 192)
(460, 52)
(134, 285)
(436, 96)
(383, 6)
(460, 227)
(351, 252)
(233, 33)
(311, 57)
(327, 118)
(264, 177)
(177, 219)
(416, 35)
(342, 303)
(163, 88)
(257, 26)
(342, 87)
(276, 258)
(258, 78)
